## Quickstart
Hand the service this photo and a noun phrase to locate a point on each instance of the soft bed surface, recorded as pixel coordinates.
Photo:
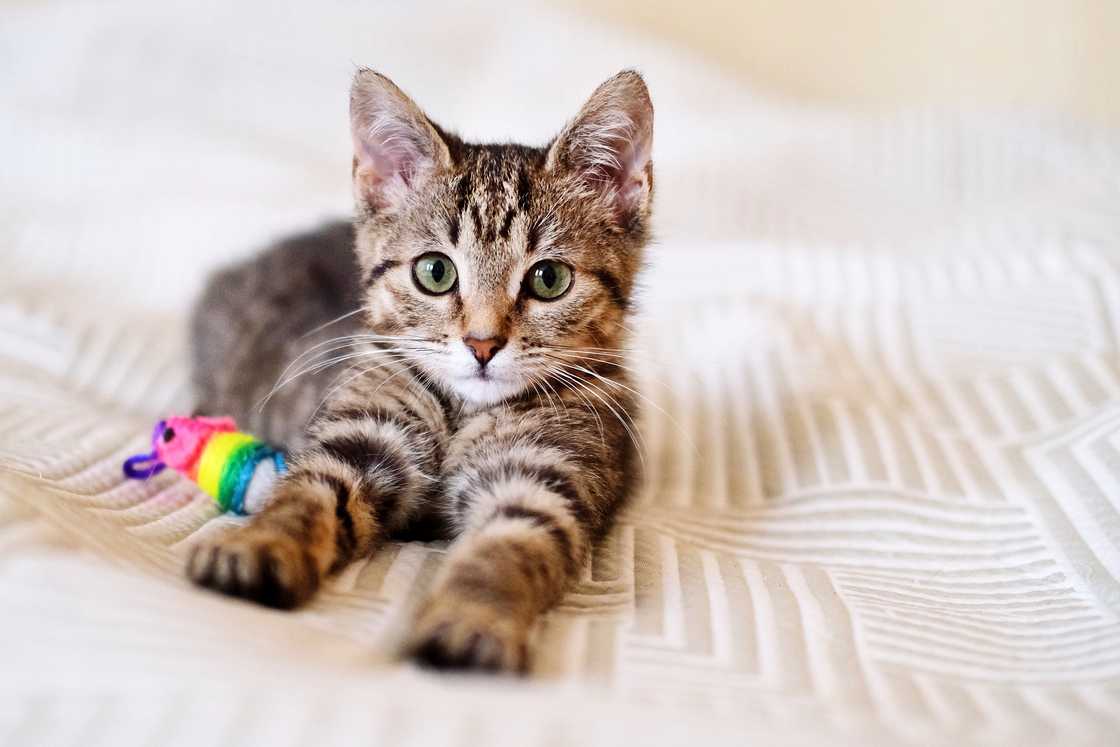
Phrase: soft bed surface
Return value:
(881, 359)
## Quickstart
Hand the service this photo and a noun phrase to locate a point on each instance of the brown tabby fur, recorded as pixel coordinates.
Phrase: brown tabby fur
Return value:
(526, 468)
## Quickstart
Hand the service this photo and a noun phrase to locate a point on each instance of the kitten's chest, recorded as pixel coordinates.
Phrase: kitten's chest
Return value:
(495, 428)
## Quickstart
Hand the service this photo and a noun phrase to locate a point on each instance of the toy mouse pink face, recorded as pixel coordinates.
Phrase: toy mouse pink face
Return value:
(181, 439)
(176, 443)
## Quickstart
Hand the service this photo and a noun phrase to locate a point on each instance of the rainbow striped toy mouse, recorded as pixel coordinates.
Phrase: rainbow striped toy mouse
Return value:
(235, 469)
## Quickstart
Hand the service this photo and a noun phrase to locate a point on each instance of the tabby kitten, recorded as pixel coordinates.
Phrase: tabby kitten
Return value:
(487, 393)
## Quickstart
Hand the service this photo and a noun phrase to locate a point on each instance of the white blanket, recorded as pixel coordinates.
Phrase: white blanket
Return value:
(882, 442)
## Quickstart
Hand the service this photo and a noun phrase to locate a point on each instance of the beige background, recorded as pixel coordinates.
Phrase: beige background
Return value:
(1053, 56)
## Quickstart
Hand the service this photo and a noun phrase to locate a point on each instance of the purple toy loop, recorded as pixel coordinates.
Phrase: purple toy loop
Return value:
(143, 466)
(134, 468)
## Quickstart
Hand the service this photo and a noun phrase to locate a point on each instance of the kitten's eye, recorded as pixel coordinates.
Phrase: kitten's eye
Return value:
(548, 280)
(434, 273)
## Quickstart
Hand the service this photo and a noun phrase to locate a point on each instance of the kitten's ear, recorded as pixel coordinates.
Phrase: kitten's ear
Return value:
(395, 146)
(608, 145)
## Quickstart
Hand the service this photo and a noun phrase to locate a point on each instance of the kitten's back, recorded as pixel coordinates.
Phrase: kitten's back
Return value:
(253, 320)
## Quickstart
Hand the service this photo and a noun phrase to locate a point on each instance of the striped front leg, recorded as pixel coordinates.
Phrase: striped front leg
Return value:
(528, 514)
(365, 476)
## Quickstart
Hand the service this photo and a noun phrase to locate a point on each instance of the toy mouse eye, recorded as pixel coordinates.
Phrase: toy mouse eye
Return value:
(168, 434)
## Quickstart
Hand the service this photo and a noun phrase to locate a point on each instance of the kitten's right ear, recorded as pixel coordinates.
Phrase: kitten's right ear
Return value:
(395, 146)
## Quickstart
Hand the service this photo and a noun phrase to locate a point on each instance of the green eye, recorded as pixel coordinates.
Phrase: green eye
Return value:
(548, 280)
(434, 273)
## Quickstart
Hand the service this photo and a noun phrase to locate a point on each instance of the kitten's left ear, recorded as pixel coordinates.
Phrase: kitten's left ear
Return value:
(396, 148)
(608, 145)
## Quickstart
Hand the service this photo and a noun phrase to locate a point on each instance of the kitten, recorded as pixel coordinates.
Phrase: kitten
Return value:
(487, 392)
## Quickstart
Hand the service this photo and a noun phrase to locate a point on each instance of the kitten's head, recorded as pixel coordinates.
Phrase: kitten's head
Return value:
(497, 264)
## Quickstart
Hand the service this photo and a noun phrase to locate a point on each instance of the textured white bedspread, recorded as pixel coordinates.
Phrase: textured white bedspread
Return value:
(883, 359)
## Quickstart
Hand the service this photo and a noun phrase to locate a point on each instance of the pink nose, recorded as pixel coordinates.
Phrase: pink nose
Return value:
(484, 350)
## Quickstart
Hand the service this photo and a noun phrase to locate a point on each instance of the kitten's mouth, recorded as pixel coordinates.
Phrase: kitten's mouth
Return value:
(486, 373)
(488, 377)
(486, 387)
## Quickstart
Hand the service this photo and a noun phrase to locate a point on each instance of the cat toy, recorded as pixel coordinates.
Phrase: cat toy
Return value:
(235, 469)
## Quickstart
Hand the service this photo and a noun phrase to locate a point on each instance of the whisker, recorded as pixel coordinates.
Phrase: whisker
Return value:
(573, 380)
(284, 379)
(590, 405)
(571, 367)
(405, 368)
(626, 422)
(590, 358)
(618, 352)
(638, 374)
(627, 327)
(311, 368)
(330, 393)
(538, 385)
(676, 425)
(315, 367)
(350, 340)
(336, 320)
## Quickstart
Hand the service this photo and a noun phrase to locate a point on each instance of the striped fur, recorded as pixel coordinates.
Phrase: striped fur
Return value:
(524, 461)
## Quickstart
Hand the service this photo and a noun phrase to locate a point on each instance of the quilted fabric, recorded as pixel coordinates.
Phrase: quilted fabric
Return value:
(882, 370)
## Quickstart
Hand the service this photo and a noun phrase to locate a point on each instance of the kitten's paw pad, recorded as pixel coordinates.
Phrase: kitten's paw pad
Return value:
(464, 638)
(266, 567)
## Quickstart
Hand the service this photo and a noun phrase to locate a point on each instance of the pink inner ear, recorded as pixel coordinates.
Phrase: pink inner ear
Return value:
(395, 145)
(377, 162)
(630, 193)
(632, 174)
(615, 162)
(392, 146)
(389, 162)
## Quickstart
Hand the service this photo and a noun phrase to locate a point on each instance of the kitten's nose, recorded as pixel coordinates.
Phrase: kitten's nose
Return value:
(484, 350)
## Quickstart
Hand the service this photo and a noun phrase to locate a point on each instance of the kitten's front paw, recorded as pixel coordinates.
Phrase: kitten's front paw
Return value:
(264, 566)
(470, 637)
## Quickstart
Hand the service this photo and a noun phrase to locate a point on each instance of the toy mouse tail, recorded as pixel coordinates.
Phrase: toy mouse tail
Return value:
(143, 466)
